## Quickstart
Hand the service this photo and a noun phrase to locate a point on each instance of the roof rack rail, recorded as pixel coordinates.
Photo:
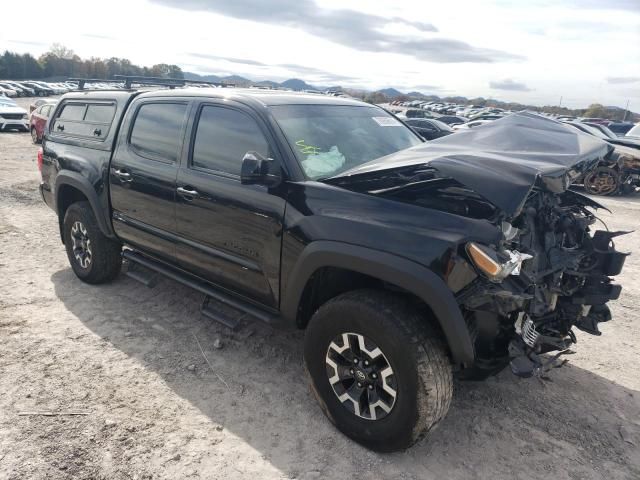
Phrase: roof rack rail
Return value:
(130, 80)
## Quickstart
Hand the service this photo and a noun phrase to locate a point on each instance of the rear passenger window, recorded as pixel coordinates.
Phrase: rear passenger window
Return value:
(157, 129)
(82, 120)
(100, 113)
(72, 112)
(223, 137)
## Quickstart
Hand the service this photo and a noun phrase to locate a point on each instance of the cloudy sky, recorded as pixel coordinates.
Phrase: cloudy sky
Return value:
(532, 51)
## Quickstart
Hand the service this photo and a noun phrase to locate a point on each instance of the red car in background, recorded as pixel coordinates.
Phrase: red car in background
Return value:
(40, 102)
(39, 119)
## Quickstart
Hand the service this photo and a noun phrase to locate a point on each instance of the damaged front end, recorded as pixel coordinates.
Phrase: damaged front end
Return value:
(551, 272)
(551, 268)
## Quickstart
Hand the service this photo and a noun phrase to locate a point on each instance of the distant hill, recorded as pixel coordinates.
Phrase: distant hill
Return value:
(237, 80)
(390, 92)
(202, 78)
(267, 83)
(297, 84)
(292, 83)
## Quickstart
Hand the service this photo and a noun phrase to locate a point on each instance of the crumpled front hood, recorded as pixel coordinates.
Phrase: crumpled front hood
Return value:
(502, 160)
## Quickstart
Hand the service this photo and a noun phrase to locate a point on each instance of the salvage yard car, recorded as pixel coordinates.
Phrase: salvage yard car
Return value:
(428, 128)
(405, 262)
(12, 117)
(38, 120)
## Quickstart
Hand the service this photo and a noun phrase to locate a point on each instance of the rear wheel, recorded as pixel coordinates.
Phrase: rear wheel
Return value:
(34, 135)
(602, 181)
(94, 258)
(377, 371)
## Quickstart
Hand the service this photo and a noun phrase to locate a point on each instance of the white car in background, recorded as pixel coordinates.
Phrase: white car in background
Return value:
(7, 92)
(12, 117)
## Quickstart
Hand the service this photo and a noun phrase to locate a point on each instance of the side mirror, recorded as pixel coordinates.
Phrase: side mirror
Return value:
(258, 170)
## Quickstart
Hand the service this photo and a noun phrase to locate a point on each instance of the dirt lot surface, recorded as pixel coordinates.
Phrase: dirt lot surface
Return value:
(128, 358)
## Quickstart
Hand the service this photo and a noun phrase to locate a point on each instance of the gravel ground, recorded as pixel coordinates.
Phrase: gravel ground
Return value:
(128, 359)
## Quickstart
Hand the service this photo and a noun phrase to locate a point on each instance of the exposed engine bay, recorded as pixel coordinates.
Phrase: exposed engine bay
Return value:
(558, 278)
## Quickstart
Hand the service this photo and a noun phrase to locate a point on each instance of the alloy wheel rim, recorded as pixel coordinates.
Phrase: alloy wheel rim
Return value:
(361, 376)
(34, 135)
(81, 244)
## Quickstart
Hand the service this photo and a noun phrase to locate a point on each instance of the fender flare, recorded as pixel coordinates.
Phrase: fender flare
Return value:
(409, 275)
(77, 181)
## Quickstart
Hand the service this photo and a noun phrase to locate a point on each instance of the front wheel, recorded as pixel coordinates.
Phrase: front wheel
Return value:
(94, 257)
(377, 371)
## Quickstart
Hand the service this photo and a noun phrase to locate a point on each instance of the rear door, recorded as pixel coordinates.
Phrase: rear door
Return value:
(230, 234)
(143, 173)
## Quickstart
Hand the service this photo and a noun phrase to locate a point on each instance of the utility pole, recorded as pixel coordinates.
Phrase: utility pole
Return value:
(560, 104)
(626, 110)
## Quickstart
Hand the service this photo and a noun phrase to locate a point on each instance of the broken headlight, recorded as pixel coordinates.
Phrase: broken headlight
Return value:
(496, 266)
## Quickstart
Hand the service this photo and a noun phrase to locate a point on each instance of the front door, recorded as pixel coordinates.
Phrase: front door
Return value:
(230, 234)
(143, 173)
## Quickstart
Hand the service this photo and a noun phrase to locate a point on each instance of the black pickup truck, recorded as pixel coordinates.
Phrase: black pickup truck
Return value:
(406, 262)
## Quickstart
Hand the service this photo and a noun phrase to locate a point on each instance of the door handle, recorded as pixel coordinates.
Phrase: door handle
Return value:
(188, 193)
(97, 132)
(123, 175)
(60, 127)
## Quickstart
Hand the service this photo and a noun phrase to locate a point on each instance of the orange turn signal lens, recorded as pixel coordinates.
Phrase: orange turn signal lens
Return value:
(483, 261)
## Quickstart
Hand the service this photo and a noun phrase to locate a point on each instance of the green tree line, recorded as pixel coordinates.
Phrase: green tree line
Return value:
(60, 61)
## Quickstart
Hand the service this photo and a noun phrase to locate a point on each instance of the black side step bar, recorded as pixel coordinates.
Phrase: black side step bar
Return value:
(145, 277)
(205, 288)
(209, 310)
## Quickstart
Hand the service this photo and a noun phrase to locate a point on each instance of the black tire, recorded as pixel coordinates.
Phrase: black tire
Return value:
(34, 136)
(422, 374)
(105, 259)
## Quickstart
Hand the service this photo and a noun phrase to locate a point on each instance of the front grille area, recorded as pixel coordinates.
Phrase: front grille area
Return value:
(12, 116)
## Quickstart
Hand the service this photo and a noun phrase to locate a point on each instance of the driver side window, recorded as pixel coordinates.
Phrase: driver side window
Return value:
(223, 137)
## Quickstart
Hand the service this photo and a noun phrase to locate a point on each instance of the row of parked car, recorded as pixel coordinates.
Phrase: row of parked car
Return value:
(465, 112)
(469, 116)
(34, 88)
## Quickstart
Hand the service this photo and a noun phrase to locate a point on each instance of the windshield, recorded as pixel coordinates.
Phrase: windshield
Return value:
(330, 139)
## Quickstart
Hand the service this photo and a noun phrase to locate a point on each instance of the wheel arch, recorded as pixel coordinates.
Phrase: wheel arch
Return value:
(71, 187)
(391, 269)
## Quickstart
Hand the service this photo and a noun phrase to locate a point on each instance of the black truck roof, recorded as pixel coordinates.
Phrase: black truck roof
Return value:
(249, 95)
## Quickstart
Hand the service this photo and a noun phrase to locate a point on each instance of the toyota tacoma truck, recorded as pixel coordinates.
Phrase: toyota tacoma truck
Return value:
(405, 262)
